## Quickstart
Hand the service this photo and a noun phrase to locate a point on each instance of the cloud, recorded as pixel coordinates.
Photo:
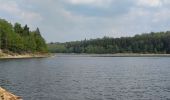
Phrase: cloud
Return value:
(79, 19)
(161, 16)
(150, 3)
(67, 20)
(10, 7)
(112, 8)
(13, 9)
(90, 2)
(31, 16)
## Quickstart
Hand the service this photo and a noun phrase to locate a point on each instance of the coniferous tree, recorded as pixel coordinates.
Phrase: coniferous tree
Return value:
(20, 39)
(154, 42)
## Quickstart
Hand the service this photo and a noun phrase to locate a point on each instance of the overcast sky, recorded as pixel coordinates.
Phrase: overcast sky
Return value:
(68, 20)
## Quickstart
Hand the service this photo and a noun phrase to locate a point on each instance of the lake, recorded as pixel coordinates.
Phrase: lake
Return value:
(76, 77)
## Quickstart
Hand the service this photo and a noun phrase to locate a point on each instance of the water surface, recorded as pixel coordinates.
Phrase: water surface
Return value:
(69, 77)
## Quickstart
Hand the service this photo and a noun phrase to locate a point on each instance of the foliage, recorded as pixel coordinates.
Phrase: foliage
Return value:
(158, 42)
(20, 39)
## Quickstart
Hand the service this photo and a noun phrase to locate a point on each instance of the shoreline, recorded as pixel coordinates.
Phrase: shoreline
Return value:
(24, 56)
(27, 56)
(113, 55)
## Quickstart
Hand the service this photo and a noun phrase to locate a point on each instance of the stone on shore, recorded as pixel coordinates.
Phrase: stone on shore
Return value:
(5, 95)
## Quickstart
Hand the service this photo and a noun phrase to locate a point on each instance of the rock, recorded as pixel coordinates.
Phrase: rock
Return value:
(5, 95)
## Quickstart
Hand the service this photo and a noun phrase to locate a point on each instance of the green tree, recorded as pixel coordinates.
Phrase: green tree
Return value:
(20, 40)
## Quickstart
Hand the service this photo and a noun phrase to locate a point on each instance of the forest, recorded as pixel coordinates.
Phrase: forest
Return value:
(19, 39)
(154, 42)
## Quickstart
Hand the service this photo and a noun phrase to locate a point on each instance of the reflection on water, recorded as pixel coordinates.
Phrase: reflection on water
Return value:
(88, 78)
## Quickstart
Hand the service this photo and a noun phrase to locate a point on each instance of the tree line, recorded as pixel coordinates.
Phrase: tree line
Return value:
(154, 42)
(19, 39)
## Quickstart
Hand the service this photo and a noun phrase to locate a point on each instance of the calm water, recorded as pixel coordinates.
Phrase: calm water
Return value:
(88, 78)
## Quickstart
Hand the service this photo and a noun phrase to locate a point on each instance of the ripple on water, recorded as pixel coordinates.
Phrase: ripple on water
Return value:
(88, 78)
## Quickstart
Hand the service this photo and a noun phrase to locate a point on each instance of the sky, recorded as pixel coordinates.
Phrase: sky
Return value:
(70, 20)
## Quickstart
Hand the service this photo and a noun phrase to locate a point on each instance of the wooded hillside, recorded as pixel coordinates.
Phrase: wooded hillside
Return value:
(20, 39)
(154, 42)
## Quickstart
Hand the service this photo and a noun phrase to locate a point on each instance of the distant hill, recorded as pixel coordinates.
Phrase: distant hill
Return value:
(20, 39)
(154, 42)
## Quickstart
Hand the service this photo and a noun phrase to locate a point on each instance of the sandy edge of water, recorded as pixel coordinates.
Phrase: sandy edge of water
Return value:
(17, 56)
